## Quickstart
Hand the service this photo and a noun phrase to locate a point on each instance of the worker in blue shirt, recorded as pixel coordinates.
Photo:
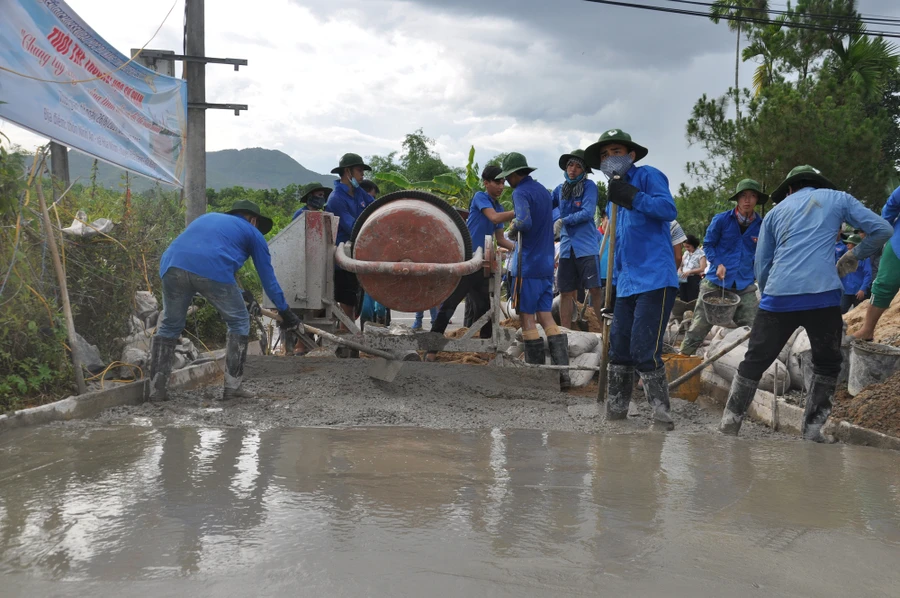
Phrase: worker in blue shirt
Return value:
(579, 262)
(204, 259)
(644, 273)
(533, 292)
(314, 200)
(801, 286)
(347, 202)
(486, 219)
(856, 284)
(730, 247)
(371, 189)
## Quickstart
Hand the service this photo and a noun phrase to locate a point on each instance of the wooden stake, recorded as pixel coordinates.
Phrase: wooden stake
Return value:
(63, 289)
(605, 323)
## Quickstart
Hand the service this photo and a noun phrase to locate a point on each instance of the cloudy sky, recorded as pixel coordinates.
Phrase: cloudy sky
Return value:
(540, 77)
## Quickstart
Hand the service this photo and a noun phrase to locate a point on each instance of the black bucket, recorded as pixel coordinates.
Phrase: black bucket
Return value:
(720, 306)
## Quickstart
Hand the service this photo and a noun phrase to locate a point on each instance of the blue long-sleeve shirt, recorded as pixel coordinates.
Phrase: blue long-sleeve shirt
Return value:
(861, 280)
(890, 212)
(795, 252)
(577, 214)
(726, 245)
(644, 257)
(604, 257)
(478, 224)
(347, 204)
(534, 218)
(215, 246)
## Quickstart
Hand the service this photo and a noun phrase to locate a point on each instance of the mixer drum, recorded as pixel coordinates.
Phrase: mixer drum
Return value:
(411, 227)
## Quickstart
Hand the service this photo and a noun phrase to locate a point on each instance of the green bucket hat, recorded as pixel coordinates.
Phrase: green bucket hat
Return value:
(306, 195)
(245, 205)
(349, 160)
(855, 239)
(802, 174)
(750, 185)
(592, 153)
(579, 153)
(514, 162)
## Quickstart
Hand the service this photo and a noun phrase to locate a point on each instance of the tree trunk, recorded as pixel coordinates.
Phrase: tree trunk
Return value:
(737, 66)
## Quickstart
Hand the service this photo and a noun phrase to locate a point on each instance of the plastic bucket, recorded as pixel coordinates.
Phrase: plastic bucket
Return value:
(678, 365)
(871, 364)
(720, 306)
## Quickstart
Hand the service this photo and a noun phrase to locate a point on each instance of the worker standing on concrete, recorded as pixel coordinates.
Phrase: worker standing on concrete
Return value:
(204, 259)
(730, 247)
(644, 272)
(533, 295)
(856, 284)
(579, 262)
(314, 199)
(801, 287)
(371, 189)
(347, 202)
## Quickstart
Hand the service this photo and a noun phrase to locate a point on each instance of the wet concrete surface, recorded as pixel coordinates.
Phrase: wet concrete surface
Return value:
(90, 509)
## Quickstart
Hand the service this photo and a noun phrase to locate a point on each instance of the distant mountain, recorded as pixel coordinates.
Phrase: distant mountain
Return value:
(254, 168)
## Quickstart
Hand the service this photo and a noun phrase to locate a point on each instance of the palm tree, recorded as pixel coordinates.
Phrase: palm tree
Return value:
(768, 44)
(865, 61)
(737, 9)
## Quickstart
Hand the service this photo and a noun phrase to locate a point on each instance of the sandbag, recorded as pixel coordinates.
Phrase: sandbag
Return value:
(145, 304)
(541, 332)
(788, 346)
(728, 337)
(728, 364)
(583, 377)
(134, 356)
(581, 342)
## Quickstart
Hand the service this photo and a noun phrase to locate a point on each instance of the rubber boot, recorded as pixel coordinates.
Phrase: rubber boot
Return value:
(656, 387)
(559, 355)
(162, 357)
(739, 398)
(534, 352)
(818, 407)
(620, 383)
(235, 356)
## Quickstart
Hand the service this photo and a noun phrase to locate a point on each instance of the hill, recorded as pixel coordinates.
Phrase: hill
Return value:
(254, 168)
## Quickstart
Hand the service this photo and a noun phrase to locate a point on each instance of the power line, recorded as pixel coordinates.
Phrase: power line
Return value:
(873, 19)
(741, 19)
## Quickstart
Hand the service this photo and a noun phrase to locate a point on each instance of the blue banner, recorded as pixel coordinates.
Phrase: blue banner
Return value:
(59, 79)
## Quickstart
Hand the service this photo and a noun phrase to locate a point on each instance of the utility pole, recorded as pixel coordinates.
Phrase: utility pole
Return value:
(59, 169)
(195, 157)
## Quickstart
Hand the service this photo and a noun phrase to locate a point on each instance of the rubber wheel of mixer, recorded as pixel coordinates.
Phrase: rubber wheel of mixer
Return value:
(422, 196)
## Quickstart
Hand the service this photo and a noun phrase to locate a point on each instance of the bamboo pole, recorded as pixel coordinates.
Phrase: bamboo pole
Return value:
(605, 322)
(63, 289)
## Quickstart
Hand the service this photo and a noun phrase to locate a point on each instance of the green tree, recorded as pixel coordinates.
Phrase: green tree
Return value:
(767, 45)
(868, 63)
(731, 10)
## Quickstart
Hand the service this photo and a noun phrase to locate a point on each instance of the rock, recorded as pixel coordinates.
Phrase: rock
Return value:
(145, 304)
(583, 377)
(136, 357)
(89, 355)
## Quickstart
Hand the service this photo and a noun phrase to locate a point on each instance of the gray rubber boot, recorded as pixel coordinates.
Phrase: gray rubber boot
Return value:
(235, 356)
(618, 391)
(739, 398)
(534, 352)
(162, 357)
(559, 355)
(656, 387)
(818, 407)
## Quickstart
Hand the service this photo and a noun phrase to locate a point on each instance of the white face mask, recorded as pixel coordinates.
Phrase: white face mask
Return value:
(614, 165)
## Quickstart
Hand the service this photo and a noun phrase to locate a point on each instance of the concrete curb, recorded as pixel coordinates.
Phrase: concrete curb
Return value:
(92, 404)
(790, 417)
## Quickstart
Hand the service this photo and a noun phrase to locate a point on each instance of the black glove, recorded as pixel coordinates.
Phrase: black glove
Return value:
(622, 193)
(248, 297)
(289, 319)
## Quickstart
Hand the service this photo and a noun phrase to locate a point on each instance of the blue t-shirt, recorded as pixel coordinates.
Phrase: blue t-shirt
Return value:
(347, 204)
(478, 224)
(534, 218)
(216, 245)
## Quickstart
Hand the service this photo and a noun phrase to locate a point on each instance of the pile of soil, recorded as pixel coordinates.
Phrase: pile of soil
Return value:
(510, 323)
(877, 407)
(466, 358)
(887, 332)
(459, 333)
(589, 315)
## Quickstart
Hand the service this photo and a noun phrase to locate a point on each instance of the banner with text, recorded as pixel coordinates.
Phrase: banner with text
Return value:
(80, 94)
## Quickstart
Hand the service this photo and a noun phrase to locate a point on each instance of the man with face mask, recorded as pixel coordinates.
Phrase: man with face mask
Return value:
(347, 202)
(579, 262)
(644, 272)
(730, 247)
(314, 199)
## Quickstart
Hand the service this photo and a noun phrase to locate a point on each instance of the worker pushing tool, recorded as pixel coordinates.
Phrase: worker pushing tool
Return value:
(204, 259)
(533, 292)
(730, 247)
(644, 273)
(800, 287)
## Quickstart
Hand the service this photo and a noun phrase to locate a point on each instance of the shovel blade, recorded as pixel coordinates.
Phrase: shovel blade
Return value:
(383, 369)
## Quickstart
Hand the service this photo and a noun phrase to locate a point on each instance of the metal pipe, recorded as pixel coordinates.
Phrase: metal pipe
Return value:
(343, 260)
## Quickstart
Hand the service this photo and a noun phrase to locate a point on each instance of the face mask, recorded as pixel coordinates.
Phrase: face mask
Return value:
(355, 183)
(616, 165)
(316, 203)
(576, 179)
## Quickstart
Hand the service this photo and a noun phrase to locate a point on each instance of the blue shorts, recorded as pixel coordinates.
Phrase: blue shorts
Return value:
(533, 295)
(576, 273)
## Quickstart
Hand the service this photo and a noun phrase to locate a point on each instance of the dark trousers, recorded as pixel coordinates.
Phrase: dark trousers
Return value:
(848, 302)
(477, 288)
(771, 330)
(689, 290)
(638, 327)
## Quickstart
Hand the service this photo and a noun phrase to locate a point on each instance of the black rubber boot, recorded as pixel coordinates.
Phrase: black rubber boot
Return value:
(620, 383)
(818, 407)
(739, 398)
(162, 357)
(235, 356)
(656, 387)
(559, 355)
(534, 352)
